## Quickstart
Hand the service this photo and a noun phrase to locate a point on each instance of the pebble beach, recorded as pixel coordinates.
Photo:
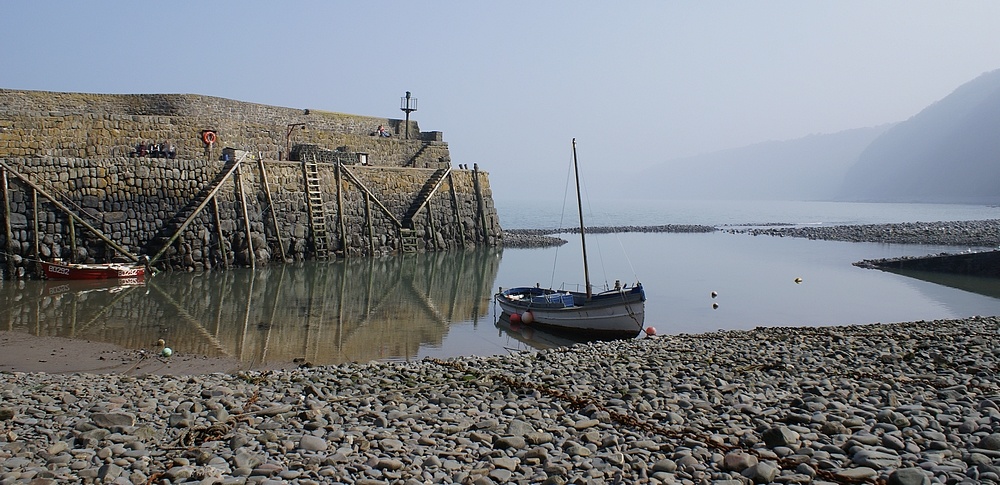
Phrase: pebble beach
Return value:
(904, 403)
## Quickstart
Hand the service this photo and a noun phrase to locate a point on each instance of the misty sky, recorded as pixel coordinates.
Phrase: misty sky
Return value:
(510, 83)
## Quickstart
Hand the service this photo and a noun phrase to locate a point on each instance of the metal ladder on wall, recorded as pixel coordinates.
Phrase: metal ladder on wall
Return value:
(317, 215)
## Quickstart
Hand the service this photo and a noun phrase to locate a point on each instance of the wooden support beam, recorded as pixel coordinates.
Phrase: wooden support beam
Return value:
(218, 232)
(270, 205)
(8, 232)
(430, 224)
(481, 211)
(457, 211)
(246, 217)
(371, 230)
(341, 225)
(72, 240)
(34, 211)
(187, 222)
(434, 190)
(62, 207)
(378, 203)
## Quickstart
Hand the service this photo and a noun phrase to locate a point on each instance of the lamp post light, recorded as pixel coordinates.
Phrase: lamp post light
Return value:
(288, 138)
(408, 105)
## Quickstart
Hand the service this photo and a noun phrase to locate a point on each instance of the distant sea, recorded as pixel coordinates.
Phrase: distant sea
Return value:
(542, 214)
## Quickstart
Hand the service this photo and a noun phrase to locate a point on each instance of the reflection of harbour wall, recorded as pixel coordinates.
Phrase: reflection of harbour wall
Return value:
(65, 165)
(326, 313)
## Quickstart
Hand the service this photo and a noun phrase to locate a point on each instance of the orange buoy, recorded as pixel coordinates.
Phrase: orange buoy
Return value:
(208, 137)
(515, 318)
(650, 331)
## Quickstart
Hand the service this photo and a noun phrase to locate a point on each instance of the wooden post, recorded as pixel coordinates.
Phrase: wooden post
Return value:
(210, 196)
(218, 232)
(368, 218)
(481, 212)
(9, 249)
(72, 240)
(357, 183)
(62, 207)
(459, 230)
(246, 217)
(270, 204)
(430, 223)
(34, 210)
(341, 226)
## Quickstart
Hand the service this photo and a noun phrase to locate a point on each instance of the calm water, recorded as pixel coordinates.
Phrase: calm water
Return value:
(414, 306)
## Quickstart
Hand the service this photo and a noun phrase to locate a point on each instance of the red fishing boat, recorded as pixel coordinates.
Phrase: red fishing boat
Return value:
(100, 271)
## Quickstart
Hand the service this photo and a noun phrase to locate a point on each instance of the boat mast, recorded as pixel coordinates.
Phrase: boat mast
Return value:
(583, 236)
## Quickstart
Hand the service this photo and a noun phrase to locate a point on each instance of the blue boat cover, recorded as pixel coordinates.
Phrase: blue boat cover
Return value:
(563, 299)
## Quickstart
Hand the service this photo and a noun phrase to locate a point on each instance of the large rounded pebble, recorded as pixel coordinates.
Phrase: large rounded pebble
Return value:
(911, 403)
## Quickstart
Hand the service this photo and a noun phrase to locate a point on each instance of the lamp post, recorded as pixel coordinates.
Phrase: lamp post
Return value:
(408, 105)
(288, 138)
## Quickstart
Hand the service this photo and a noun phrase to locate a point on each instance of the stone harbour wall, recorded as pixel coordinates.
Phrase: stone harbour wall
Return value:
(83, 182)
(141, 204)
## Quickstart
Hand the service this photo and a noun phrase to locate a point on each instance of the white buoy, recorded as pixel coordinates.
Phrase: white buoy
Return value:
(528, 317)
(167, 352)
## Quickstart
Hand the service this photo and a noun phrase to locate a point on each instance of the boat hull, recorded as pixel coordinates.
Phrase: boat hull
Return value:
(71, 271)
(615, 313)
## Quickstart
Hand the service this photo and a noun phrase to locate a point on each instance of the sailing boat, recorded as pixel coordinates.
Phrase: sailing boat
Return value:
(615, 313)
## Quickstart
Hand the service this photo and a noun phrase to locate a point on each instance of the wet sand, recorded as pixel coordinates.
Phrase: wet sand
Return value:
(22, 352)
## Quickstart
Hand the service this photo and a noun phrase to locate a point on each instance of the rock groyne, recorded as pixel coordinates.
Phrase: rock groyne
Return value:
(985, 233)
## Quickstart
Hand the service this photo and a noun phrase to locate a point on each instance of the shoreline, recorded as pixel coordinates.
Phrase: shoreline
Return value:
(981, 233)
(899, 402)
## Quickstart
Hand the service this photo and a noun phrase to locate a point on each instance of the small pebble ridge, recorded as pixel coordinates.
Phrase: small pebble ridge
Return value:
(904, 403)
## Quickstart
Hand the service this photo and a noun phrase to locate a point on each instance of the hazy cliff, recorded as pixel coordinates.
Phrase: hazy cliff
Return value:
(808, 168)
(949, 152)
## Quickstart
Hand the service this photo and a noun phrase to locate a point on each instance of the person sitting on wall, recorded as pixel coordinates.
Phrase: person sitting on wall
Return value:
(166, 149)
(382, 131)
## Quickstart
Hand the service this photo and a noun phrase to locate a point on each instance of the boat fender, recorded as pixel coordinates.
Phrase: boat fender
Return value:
(515, 318)
(528, 317)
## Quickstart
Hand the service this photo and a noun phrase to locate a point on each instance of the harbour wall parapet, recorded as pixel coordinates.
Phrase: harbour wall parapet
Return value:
(82, 125)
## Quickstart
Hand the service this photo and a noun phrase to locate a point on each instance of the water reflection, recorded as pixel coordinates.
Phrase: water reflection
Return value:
(982, 285)
(532, 338)
(322, 313)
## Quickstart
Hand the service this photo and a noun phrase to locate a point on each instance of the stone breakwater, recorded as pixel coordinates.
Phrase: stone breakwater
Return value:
(900, 403)
(537, 238)
(956, 233)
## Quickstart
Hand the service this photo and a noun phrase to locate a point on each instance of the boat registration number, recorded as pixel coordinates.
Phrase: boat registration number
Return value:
(58, 269)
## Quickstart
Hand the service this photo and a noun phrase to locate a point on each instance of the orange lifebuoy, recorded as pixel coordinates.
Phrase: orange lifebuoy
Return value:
(208, 137)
